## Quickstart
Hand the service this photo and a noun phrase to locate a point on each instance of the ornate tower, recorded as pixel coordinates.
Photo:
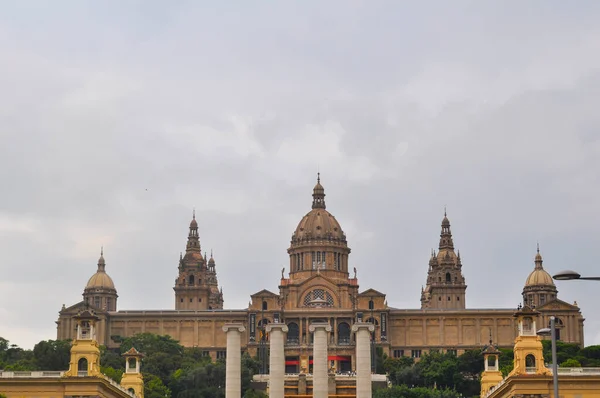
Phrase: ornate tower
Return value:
(85, 351)
(132, 378)
(539, 287)
(446, 288)
(196, 287)
(529, 353)
(100, 292)
(491, 375)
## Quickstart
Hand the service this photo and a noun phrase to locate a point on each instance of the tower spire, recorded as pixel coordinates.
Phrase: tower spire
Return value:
(101, 262)
(318, 194)
(193, 243)
(446, 235)
(538, 259)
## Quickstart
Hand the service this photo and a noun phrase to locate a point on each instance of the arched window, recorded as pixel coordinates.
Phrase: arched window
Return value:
(530, 363)
(131, 390)
(318, 298)
(82, 367)
(448, 277)
(191, 280)
(371, 304)
(293, 335)
(264, 305)
(343, 334)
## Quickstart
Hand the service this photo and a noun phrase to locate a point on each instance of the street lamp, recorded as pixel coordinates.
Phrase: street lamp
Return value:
(552, 333)
(570, 275)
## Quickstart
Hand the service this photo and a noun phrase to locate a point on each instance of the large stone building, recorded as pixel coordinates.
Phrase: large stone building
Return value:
(320, 287)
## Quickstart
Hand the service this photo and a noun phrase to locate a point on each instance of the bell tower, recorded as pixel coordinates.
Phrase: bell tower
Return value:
(85, 352)
(491, 375)
(132, 378)
(529, 353)
(196, 287)
(446, 288)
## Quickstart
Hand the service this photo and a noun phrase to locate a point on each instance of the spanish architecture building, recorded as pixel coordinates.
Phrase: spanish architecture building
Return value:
(83, 378)
(322, 286)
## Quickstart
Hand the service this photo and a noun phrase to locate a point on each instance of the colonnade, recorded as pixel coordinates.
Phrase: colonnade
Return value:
(277, 359)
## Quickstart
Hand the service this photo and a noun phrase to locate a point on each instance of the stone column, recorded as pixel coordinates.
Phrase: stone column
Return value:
(233, 364)
(363, 358)
(320, 386)
(277, 359)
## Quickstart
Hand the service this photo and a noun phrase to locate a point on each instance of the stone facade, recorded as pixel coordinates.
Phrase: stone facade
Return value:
(321, 288)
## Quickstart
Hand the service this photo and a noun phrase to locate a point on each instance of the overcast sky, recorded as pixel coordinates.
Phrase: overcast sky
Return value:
(117, 118)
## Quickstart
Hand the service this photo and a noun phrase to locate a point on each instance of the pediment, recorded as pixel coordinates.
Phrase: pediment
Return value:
(557, 304)
(74, 309)
(264, 293)
(371, 293)
(318, 279)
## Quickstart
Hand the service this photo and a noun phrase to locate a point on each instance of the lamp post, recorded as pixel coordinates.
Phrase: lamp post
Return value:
(570, 275)
(552, 333)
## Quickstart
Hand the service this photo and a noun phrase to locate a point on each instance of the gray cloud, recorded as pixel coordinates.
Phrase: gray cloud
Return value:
(118, 119)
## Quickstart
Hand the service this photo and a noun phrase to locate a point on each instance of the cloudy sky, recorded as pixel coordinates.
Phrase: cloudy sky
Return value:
(118, 118)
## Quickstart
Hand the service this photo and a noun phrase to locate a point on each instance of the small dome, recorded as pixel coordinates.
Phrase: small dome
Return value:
(539, 277)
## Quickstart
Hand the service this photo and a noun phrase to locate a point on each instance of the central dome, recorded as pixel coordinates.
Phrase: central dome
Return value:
(318, 224)
(100, 280)
(539, 277)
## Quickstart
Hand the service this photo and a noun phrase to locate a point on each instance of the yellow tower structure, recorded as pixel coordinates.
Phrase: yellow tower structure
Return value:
(491, 375)
(132, 378)
(85, 352)
(529, 354)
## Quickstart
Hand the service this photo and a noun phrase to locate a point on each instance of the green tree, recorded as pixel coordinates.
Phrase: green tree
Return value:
(255, 394)
(52, 354)
(571, 363)
(154, 387)
(162, 354)
(506, 361)
(115, 374)
(111, 358)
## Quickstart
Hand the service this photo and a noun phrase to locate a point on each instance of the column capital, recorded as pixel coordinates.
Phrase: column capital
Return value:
(363, 325)
(319, 325)
(273, 326)
(233, 326)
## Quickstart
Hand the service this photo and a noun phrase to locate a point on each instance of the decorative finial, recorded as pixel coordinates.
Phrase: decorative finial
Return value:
(490, 336)
(194, 213)
(102, 250)
(319, 177)
(538, 247)
(444, 210)
(211, 253)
